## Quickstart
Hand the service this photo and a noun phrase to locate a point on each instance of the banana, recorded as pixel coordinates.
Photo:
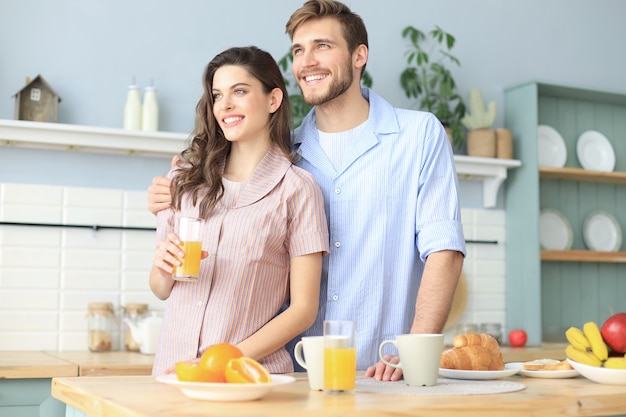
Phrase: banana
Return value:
(580, 356)
(598, 347)
(577, 339)
(615, 363)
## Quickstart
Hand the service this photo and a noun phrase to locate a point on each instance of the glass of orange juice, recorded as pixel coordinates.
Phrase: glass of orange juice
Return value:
(339, 356)
(188, 230)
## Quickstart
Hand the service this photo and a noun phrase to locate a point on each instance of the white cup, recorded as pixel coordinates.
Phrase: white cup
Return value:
(419, 357)
(313, 347)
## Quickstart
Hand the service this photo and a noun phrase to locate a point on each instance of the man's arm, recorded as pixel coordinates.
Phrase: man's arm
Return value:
(159, 194)
(434, 298)
(433, 304)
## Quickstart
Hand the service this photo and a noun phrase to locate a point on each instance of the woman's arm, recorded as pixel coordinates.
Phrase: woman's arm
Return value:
(304, 283)
(165, 258)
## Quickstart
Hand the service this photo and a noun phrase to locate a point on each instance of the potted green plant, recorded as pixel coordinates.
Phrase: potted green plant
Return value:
(299, 108)
(428, 79)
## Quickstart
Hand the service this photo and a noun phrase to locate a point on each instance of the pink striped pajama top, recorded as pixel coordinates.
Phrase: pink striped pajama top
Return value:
(244, 282)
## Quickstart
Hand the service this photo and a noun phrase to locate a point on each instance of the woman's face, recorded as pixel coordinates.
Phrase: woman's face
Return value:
(240, 105)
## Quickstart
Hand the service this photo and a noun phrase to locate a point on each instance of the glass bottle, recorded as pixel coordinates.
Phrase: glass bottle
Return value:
(150, 117)
(100, 326)
(132, 109)
(132, 312)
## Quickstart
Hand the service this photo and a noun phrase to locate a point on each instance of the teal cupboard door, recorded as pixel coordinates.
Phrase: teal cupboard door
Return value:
(28, 398)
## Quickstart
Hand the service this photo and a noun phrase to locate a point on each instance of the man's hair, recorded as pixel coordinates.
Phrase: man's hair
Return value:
(353, 27)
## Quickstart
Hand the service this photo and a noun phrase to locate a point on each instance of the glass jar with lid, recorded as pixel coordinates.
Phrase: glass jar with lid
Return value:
(132, 312)
(464, 328)
(100, 326)
(493, 329)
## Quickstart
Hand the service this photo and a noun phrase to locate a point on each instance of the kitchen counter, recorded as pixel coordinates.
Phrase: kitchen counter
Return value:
(16, 365)
(145, 397)
(108, 363)
(26, 364)
(530, 353)
(26, 376)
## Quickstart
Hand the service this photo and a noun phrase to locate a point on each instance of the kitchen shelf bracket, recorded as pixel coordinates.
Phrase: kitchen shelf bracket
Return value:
(491, 171)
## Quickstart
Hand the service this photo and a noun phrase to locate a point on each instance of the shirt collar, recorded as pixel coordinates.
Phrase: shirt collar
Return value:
(266, 176)
(381, 118)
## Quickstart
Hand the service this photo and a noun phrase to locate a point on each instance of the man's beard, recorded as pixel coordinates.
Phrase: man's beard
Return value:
(336, 88)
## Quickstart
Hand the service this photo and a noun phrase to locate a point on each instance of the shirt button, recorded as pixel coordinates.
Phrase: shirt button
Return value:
(337, 244)
(200, 303)
(335, 297)
(337, 190)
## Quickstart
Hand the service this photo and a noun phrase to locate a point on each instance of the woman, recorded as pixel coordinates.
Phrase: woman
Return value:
(265, 230)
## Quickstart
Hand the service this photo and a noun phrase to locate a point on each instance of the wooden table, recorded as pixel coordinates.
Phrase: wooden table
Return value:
(145, 397)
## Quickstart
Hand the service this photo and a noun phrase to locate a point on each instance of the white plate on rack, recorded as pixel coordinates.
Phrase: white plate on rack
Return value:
(595, 152)
(550, 147)
(555, 231)
(602, 232)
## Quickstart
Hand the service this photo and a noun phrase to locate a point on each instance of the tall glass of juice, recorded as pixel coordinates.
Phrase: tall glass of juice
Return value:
(339, 356)
(188, 230)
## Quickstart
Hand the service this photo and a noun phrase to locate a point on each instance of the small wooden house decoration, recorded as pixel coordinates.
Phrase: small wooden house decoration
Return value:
(37, 101)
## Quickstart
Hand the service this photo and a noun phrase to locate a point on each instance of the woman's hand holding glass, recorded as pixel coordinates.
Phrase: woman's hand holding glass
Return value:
(169, 255)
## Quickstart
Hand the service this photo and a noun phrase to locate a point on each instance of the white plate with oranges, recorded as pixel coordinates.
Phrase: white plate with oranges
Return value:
(225, 391)
(223, 374)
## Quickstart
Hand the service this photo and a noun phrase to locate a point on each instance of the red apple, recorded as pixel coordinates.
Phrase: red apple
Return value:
(614, 332)
(517, 337)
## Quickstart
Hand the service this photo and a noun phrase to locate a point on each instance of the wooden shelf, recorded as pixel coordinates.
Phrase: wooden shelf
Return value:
(579, 174)
(582, 256)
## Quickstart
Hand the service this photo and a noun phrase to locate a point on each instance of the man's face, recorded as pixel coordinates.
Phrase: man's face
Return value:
(322, 65)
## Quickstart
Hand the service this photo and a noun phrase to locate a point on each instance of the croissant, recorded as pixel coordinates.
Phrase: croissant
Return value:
(478, 352)
(478, 339)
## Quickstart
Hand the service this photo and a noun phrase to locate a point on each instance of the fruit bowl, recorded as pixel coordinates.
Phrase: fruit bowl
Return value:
(599, 374)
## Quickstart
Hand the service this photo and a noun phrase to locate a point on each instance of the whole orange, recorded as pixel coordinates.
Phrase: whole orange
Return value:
(246, 370)
(215, 359)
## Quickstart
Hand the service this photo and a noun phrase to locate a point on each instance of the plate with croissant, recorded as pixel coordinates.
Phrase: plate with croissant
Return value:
(474, 356)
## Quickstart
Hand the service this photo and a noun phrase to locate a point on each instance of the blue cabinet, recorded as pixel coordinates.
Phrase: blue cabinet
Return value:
(28, 397)
(548, 291)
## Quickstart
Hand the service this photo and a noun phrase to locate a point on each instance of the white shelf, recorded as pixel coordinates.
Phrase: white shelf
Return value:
(491, 171)
(57, 136)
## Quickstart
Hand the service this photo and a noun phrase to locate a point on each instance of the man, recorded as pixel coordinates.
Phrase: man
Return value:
(389, 185)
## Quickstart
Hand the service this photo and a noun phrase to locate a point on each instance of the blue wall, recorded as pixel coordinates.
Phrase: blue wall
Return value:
(89, 51)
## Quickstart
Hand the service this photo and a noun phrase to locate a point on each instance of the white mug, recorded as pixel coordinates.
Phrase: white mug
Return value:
(419, 357)
(314, 353)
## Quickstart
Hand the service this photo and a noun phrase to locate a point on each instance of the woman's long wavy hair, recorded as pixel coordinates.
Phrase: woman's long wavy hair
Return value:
(199, 173)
